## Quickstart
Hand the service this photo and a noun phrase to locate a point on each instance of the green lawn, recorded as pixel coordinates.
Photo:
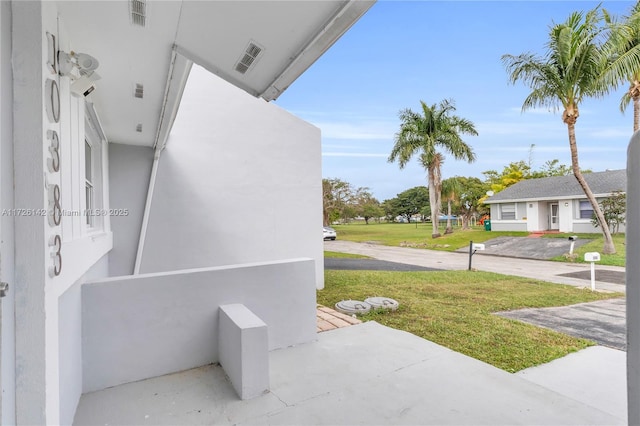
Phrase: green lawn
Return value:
(454, 309)
(617, 259)
(419, 236)
(345, 255)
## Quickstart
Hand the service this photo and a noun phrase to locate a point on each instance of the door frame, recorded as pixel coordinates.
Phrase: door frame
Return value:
(551, 216)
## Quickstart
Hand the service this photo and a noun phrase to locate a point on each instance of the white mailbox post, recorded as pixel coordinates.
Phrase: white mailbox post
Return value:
(473, 247)
(592, 257)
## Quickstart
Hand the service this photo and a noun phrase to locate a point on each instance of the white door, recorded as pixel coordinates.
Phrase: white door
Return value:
(553, 217)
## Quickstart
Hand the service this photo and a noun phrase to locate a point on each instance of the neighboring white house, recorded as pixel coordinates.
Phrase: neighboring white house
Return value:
(553, 203)
(131, 289)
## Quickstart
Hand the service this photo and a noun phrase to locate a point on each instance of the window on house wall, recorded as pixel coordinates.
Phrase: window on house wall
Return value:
(93, 175)
(586, 210)
(508, 211)
(88, 186)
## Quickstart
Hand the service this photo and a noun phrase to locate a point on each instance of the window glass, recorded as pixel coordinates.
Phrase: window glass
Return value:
(508, 211)
(88, 158)
(586, 211)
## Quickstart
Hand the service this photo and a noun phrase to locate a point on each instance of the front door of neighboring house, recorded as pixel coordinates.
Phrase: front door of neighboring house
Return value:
(554, 223)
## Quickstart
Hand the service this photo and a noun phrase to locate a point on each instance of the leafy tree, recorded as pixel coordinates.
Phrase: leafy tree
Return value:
(553, 168)
(472, 192)
(337, 196)
(425, 213)
(511, 174)
(408, 203)
(570, 71)
(519, 170)
(366, 205)
(614, 209)
(423, 133)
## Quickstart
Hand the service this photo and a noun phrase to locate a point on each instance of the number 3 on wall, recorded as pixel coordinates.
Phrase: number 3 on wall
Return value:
(55, 269)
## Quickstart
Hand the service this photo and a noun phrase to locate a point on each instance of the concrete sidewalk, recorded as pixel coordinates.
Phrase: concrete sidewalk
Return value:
(555, 272)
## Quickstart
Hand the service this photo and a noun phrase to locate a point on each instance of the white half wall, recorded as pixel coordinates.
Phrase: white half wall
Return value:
(149, 325)
(239, 181)
(70, 335)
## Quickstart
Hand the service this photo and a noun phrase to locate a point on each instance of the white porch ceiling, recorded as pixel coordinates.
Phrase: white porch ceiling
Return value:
(214, 34)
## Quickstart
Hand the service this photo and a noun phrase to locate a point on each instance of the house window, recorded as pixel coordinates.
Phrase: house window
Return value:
(88, 185)
(93, 174)
(586, 210)
(507, 211)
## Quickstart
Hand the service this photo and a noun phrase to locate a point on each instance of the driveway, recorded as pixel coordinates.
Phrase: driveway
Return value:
(527, 248)
(602, 321)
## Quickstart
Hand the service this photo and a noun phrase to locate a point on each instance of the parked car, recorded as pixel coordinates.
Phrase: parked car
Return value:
(329, 233)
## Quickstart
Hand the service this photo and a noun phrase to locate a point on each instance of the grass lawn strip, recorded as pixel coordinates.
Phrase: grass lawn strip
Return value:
(455, 309)
(335, 254)
(419, 236)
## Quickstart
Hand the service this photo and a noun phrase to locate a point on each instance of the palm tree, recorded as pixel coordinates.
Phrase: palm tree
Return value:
(423, 133)
(623, 45)
(569, 72)
(450, 190)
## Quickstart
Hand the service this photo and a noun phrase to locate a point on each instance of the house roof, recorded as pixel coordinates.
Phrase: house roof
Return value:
(146, 48)
(560, 187)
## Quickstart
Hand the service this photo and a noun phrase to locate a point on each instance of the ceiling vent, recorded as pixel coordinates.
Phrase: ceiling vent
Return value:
(138, 92)
(138, 10)
(249, 57)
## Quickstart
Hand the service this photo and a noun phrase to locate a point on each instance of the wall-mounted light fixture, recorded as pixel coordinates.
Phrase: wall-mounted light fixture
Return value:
(83, 63)
(81, 69)
(566, 204)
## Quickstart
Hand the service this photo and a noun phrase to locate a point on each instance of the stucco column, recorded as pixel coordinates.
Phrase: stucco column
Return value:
(633, 279)
(30, 262)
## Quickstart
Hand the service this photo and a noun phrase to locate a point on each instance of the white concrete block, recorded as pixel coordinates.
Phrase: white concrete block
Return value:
(244, 350)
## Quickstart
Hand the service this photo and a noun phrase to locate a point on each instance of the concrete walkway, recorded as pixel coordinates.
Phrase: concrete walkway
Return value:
(365, 374)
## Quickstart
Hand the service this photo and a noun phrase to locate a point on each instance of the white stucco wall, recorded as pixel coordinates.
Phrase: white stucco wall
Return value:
(633, 280)
(130, 168)
(239, 181)
(7, 330)
(70, 337)
(148, 325)
(42, 336)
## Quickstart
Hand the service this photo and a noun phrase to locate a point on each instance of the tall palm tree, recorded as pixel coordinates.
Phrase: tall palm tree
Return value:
(450, 190)
(623, 45)
(568, 73)
(422, 133)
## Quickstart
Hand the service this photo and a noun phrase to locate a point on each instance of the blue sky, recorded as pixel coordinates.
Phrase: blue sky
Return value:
(402, 52)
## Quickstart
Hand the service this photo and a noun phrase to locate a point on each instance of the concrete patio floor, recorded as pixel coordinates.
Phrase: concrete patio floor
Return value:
(370, 374)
